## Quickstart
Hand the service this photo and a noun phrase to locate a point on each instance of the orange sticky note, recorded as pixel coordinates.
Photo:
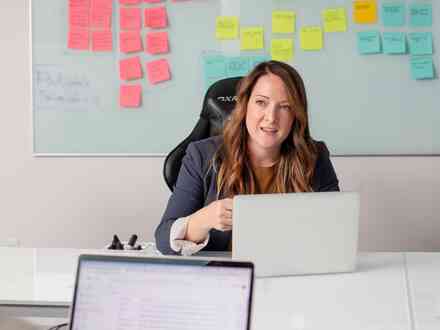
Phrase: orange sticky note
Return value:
(158, 71)
(130, 41)
(102, 41)
(130, 96)
(78, 39)
(79, 13)
(157, 42)
(156, 17)
(130, 18)
(365, 11)
(130, 2)
(130, 68)
(101, 14)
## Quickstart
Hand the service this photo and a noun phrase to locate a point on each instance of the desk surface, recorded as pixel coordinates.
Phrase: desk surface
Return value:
(388, 291)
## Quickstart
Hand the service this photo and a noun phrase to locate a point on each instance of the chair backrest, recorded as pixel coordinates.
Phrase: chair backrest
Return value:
(218, 103)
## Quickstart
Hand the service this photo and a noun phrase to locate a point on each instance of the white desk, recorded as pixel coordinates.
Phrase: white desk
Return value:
(386, 292)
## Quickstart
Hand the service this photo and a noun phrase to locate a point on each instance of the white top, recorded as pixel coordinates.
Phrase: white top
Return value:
(177, 235)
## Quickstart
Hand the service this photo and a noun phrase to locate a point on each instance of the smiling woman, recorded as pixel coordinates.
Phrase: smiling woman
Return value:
(265, 147)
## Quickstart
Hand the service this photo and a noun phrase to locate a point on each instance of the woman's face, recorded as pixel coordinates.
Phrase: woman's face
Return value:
(269, 116)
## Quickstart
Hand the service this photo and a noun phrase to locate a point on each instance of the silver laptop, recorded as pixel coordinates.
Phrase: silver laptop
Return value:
(131, 293)
(297, 233)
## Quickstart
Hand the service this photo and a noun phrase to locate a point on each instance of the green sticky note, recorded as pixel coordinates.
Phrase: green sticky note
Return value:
(393, 14)
(252, 38)
(237, 66)
(422, 67)
(420, 43)
(368, 42)
(420, 14)
(334, 19)
(394, 43)
(214, 67)
(283, 21)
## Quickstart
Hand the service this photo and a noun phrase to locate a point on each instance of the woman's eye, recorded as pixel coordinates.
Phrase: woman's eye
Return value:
(285, 107)
(260, 102)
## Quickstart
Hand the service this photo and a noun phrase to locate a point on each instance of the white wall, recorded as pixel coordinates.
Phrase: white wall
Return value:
(82, 202)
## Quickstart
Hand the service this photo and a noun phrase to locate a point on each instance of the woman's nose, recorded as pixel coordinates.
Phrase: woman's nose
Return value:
(270, 114)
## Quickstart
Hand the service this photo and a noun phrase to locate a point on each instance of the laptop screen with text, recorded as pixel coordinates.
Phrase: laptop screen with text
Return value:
(149, 293)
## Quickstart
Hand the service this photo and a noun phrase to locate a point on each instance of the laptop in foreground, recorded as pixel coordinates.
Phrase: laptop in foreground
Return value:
(132, 293)
(297, 233)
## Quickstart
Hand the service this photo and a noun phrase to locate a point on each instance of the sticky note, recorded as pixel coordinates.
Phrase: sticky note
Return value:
(393, 14)
(420, 43)
(78, 39)
(420, 14)
(214, 68)
(130, 41)
(158, 71)
(130, 18)
(130, 68)
(130, 96)
(102, 41)
(237, 66)
(311, 38)
(281, 49)
(251, 38)
(226, 27)
(334, 19)
(368, 42)
(157, 42)
(156, 17)
(79, 14)
(101, 14)
(365, 11)
(257, 59)
(422, 67)
(130, 2)
(283, 21)
(394, 43)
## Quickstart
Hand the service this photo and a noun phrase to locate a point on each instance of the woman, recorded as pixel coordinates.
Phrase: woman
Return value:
(265, 147)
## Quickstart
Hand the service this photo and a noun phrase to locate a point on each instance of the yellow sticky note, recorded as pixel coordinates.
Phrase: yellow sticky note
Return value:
(283, 21)
(252, 38)
(335, 20)
(365, 11)
(226, 27)
(311, 38)
(281, 49)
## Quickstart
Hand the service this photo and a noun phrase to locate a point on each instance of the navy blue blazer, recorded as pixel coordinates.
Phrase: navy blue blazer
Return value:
(196, 188)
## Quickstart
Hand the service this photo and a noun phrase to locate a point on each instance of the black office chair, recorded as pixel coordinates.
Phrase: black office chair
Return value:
(218, 104)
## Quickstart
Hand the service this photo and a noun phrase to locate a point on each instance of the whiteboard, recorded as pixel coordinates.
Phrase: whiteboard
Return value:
(358, 104)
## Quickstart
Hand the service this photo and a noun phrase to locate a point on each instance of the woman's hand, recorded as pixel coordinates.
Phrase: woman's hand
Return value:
(219, 214)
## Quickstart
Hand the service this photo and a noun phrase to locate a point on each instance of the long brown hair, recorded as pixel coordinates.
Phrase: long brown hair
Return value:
(294, 170)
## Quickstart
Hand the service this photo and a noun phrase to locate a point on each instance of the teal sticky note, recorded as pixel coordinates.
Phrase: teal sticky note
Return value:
(368, 42)
(420, 43)
(257, 59)
(393, 14)
(394, 43)
(422, 67)
(214, 67)
(237, 66)
(420, 14)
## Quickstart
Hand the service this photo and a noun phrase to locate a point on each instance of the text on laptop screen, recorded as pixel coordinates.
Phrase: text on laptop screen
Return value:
(136, 295)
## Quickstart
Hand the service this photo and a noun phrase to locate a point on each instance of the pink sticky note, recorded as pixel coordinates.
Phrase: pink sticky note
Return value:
(157, 42)
(158, 71)
(130, 96)
(130, 41)
(156, 17)
(130, 18)
(130, 68)
(78, 14)
(130, 2)
(102, 41)
(78, 39)
(101, 14)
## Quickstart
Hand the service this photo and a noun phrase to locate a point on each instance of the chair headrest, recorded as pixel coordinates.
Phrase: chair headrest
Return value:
(219, 102)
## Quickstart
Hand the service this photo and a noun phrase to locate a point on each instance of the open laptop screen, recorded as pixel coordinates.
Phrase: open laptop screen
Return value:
(129, 293)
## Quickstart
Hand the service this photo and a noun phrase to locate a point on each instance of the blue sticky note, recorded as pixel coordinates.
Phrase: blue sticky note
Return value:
(214, 67)
(420, 14)
(422, 67)
(368, 42)
(420, 43)
(394, 43)
(257, 59)
(393, 14)
(237, 66)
